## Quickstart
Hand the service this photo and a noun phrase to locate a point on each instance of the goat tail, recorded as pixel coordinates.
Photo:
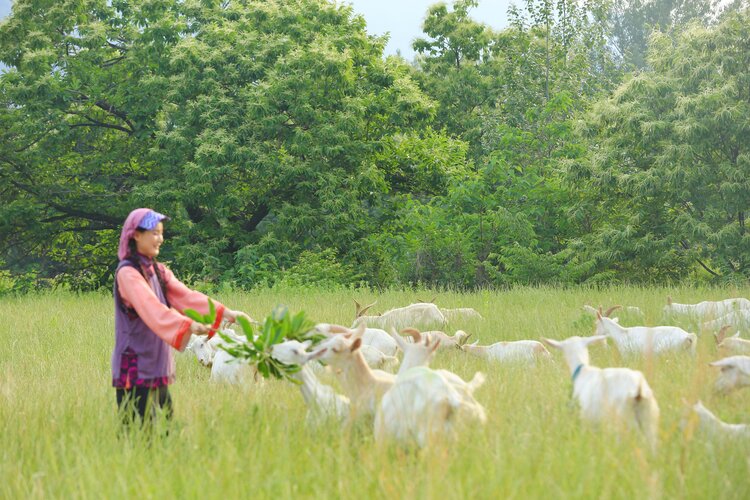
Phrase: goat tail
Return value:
(447, 407)
(476, 382)
(691, 343)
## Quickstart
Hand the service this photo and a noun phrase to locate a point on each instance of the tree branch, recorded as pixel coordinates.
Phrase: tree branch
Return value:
(704, 266)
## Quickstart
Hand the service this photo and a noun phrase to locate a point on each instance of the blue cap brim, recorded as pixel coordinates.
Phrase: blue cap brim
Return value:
(151, 220)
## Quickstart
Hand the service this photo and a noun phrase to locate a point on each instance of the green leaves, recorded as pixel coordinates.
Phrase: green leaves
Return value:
(207, 319)
(668, 177)
(278, 327)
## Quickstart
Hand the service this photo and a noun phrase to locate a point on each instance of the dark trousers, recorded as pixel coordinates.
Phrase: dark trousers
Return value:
(143, 404)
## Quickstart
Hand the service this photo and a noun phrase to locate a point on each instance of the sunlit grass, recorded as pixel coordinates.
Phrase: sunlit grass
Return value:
(58, 424)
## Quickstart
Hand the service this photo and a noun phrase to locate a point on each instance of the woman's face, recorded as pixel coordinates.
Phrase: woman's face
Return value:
(148, 242)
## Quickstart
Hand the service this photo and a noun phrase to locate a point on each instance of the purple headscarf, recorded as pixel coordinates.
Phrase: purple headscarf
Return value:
(144, 218)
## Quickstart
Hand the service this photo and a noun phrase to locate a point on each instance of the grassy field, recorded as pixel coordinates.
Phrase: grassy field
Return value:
(58, 425)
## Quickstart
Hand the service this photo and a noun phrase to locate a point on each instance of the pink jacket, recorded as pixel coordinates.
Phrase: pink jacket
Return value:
(169, 324)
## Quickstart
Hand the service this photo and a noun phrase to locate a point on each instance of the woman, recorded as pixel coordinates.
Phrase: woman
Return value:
(148, 319)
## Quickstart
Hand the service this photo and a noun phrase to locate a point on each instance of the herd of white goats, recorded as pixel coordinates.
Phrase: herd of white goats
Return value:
(418, 403)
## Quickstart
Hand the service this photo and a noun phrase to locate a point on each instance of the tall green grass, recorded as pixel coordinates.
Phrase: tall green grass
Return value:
(59, 429)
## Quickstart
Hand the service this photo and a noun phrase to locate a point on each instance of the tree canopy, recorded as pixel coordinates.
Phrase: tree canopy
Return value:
(587, 142)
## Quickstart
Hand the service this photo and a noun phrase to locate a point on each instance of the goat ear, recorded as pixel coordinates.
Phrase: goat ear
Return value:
(414, 334)
(317, 354)
(595, 339)
(398, 338)
(552, 343)
(356, 344)
(435, 346)
(360, 331)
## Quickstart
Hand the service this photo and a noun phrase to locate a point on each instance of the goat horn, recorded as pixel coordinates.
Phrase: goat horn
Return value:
(362, 310)
(414, 333)
(611, 309)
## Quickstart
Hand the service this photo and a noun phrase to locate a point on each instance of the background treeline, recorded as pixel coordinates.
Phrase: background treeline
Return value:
(591, 141)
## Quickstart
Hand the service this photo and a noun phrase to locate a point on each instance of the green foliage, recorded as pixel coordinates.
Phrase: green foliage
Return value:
(319, 270)
(633, 21)
(289, 152)
(277, 327)
(669, 180)
(207, 319)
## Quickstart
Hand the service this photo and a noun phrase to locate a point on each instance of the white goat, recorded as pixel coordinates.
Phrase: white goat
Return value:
(416, 353)
(205, 349)
(457, 313)
(645, 339)
(707, 309)
(227, 368)
(711, 424)
(460, 314)
(448, 341)
(739, 318)
(375, 358)
(735, 373)
(322, 401)
(419, 315)
(198, 345)
(606, 393)
(593, 311)
(363, 386)
(424, 403)
(375, 337)
(519, 350)
(731, 344)
(420, 352)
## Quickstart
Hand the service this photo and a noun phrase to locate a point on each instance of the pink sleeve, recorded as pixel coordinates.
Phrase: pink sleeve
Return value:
(170, 325)
(181, 297)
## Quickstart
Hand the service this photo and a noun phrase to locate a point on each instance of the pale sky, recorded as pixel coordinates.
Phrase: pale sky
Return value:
(402, 18)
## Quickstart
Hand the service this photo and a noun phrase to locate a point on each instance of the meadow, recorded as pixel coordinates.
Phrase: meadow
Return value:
(59, 429)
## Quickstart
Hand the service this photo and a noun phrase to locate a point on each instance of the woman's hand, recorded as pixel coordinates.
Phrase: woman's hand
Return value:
(199, 328)
(232, 316)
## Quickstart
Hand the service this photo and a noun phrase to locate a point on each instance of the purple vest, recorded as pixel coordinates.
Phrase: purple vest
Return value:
(155, 358)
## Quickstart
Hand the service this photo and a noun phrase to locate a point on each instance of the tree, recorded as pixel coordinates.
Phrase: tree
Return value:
(458, 68)
(254, 124)
(271, 128)
(670, 166)
(632, 22)
(79, 102)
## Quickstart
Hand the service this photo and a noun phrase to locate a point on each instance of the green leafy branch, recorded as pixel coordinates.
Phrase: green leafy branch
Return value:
(207, 319)
(278, 327)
